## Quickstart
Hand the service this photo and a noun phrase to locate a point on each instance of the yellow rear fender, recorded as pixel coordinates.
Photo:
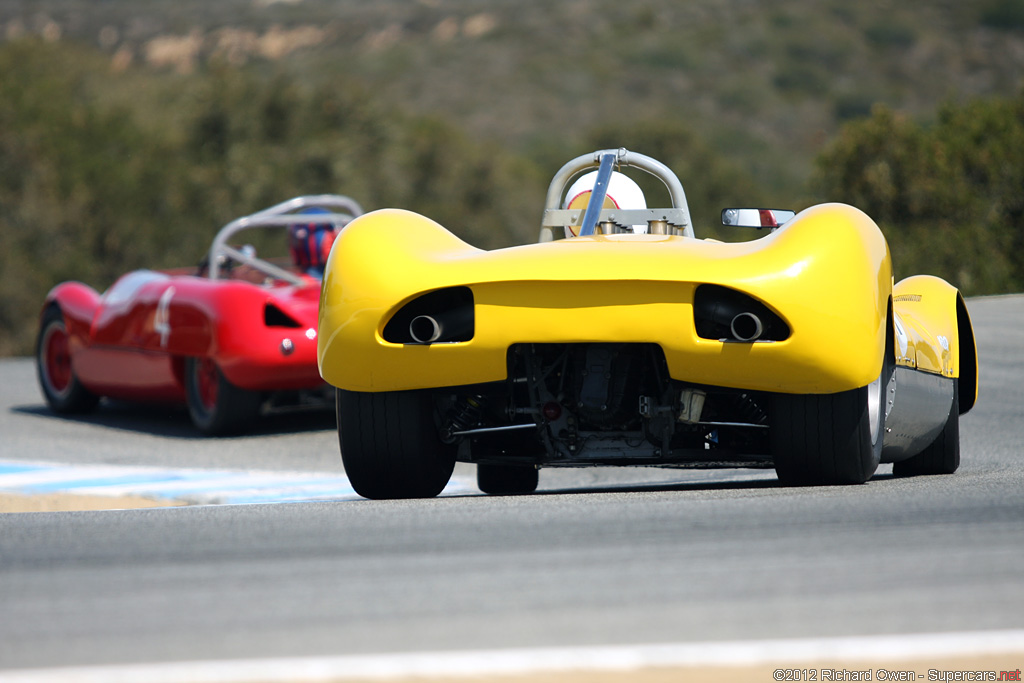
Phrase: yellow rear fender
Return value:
(934, 334)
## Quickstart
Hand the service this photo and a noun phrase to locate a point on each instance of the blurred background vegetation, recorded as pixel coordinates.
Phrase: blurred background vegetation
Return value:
(130, 132)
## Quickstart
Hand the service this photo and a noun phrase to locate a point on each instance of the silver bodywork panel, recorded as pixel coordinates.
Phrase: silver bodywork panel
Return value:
(916, 409)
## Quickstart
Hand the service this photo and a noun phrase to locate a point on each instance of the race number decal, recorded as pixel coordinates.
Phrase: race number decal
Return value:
(162, 321)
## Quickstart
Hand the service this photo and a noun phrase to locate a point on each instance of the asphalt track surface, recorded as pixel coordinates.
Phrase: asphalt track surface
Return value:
(597, 558)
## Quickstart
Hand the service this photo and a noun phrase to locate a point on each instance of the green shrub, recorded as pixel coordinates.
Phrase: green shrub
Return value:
(947, 196)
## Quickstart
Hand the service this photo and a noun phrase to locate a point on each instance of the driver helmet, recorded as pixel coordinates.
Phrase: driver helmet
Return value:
(623, 193)
(310, 243)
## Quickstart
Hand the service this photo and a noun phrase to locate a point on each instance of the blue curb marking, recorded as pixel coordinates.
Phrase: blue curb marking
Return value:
(190, 486)
(84, 480)
(14, 467)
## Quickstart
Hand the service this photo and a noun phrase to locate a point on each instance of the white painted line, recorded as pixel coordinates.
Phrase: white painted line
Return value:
(613, 658)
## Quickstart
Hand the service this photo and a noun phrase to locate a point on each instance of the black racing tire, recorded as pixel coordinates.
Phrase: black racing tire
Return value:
(828, 438)
(503, 480)
(218, 407)
(390, 445)
(942, 456)
(61, 388)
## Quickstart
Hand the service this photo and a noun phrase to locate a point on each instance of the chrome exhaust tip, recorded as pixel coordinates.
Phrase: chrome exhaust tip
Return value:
(424, 329)
(746, 327)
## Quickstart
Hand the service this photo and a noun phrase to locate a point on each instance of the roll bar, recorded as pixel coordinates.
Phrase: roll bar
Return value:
(676, 219)
(345, 209)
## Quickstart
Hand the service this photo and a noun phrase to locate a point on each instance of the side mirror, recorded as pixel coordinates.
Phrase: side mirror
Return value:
(756, 218)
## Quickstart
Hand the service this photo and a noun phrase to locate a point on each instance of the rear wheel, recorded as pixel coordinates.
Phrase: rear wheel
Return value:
(390, 445)
(61, 389)
(942, 456)
(829, 438)
(217, 406)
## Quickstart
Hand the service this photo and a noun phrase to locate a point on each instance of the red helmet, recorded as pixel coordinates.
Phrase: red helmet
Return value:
(310, 243)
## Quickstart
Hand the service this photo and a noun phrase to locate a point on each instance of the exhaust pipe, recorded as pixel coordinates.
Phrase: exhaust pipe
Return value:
(728, 315)
(441, 316)
(746, 327)
(424, 329)
(455, 324)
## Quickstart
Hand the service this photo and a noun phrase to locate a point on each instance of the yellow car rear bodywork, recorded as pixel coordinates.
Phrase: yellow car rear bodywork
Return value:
(826, 273)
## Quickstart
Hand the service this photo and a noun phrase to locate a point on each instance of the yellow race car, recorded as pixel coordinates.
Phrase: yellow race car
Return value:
(620, 338)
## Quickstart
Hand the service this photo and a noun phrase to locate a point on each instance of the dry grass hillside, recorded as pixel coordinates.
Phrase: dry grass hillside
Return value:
(767, 83)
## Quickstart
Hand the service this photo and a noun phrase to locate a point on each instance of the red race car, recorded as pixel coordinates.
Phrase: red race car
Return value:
(227, 338)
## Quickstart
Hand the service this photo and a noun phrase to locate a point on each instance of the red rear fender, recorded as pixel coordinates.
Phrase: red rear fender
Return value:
(78, 302)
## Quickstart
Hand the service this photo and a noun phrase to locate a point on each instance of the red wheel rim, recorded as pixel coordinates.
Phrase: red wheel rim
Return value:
(207, 382)
(57, 358)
